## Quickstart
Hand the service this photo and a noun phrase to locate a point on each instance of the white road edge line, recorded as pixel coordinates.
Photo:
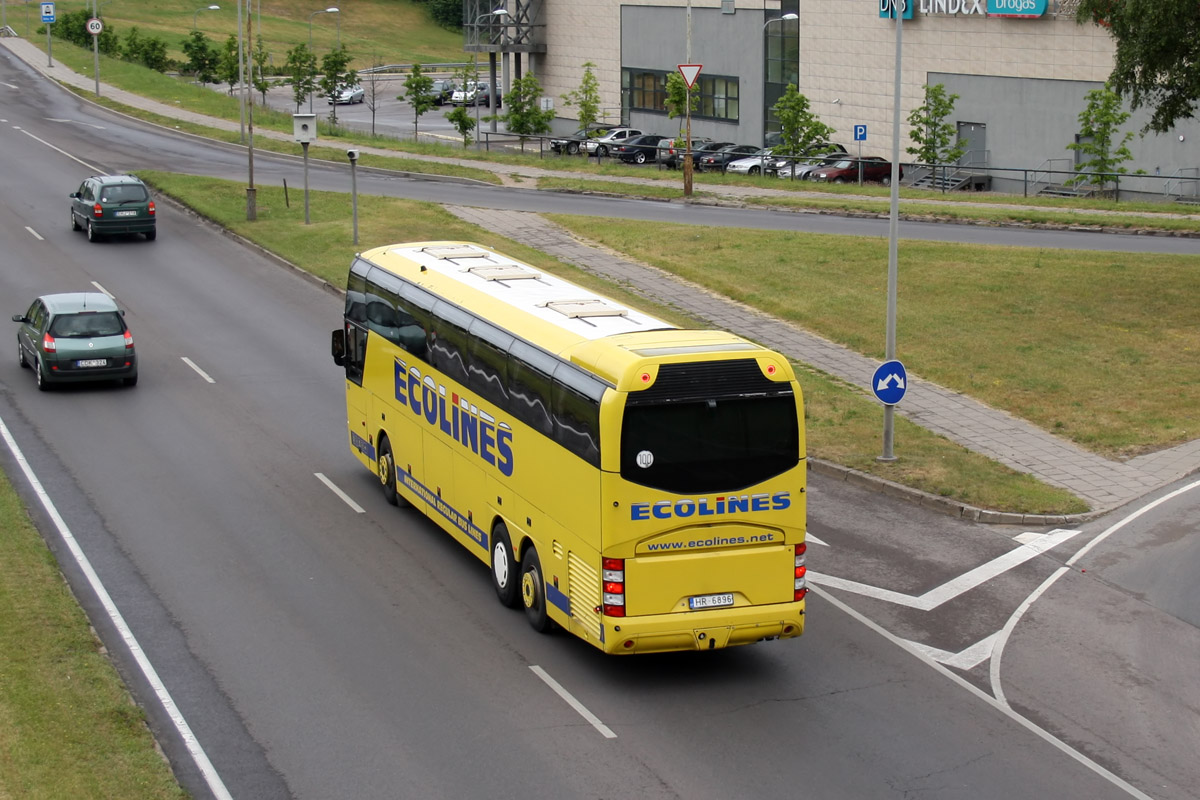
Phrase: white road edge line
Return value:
(1046, 736)
(968, 659)
(345, 497)
(36, 235)
(105, 291)
(95, 170)
(605, 731)
(199, 371)
(215, 784)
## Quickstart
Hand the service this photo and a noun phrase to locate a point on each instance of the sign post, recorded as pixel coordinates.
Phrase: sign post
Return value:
(689, 72)
(48, 20)
(94, 27)
(860, 136)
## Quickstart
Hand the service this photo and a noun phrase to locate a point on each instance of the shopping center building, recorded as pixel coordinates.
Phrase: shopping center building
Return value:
(1021, 70)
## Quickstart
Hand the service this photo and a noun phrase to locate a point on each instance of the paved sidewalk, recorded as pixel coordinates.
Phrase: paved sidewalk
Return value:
(1102, 483)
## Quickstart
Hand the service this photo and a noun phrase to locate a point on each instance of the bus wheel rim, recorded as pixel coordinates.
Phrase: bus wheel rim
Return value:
(529, 588)
(501, 565)
(385, 468)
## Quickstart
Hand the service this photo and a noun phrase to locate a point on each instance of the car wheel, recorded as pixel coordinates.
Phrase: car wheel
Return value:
(601, 151)
(755, 170)
(533, 591)
(839, 180)
(506, 571)
(42, 384)
(151, 235)
(572, 148)
(639, 158)
(886, 181)
(74, 222)
(21, 355)
(91, 233)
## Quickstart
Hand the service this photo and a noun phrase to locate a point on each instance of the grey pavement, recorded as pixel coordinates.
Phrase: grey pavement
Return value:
(1102, 483)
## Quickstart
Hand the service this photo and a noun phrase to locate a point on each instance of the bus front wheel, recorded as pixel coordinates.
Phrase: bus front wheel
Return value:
(386, 467)
(533, 591)
(505, 570)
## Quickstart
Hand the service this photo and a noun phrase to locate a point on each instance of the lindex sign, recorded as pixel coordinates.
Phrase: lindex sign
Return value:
(690, 72)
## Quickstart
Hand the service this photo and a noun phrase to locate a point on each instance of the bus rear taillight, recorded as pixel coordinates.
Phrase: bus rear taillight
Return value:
(801, 571)
(614, 587)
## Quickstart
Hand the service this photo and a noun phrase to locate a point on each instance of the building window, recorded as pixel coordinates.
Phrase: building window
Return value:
(646, 90)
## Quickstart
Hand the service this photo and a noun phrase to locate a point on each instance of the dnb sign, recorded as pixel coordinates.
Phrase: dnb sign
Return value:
(1019, 9)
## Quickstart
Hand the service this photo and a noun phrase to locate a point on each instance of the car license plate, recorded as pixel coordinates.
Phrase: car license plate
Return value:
(91, 362)
(126, 213)
(710, 601)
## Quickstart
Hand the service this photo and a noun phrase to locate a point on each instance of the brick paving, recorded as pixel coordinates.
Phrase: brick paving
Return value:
(1102, 483)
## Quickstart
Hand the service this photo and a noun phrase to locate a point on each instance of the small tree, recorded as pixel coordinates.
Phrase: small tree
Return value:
(679, 96)
(418, 91)
(586, 98)
(371, 94)
(463, 122)
(227, 66)
(523, 114)
(202, 57)
(1096, 142)
(337, 76)
(935, 138)
(301, 68)
(801, 133)
(258, 76)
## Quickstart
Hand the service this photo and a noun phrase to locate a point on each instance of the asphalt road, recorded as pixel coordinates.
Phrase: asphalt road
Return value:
(318, 652)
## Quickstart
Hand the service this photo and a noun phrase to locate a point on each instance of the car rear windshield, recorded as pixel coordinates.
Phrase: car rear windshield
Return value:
(87, 324)
(123, 193)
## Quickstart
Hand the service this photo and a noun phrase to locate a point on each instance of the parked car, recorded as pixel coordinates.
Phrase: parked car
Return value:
(442, 90)
(472, 94)
(78, 336)
(571, 145)
(671, 155)
(716, 160)
(761, 162)
(847, 170)
(348, 95)
(802, 169)
(639, 149)
(600, 145)
(112, 204)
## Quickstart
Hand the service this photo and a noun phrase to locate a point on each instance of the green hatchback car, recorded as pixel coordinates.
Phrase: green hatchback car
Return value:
(80, 336)
(112, 204)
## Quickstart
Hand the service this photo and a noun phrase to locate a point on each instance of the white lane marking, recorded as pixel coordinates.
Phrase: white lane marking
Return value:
(215, 784)
(36, 235)
(579, 707)
(970, 658)
(345, 497)
(9, 85)
(1011, 625)
(95, 170)
(199, 371)
(76, 122)
(1044, 735)
(956, 586)
(105, 291)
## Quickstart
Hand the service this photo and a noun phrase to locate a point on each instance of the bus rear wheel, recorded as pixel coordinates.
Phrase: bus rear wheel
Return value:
(386, 469)
(505, 569)
(533, 591)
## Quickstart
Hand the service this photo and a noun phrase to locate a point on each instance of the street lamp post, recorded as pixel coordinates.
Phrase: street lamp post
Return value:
(198, 10)
(330, 10)
(766, 56)
(499, 12)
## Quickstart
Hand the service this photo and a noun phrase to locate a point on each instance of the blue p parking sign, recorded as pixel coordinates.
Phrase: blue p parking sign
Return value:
(860, 133)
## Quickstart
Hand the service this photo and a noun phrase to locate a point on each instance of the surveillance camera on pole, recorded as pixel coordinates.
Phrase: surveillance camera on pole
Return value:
(305, 131)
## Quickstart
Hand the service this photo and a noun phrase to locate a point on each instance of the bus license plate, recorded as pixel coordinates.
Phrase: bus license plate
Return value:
(126, 213)
(710, 601)
(91, 362)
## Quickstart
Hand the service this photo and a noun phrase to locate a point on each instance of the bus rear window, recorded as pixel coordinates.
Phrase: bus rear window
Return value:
(712, 445)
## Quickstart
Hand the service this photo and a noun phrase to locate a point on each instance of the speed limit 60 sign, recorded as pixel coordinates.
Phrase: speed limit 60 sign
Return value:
(94, 26)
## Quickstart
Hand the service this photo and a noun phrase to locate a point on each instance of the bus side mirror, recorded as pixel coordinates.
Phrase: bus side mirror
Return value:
(337, 347)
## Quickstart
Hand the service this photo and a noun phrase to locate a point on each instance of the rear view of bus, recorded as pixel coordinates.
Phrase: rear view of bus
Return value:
(704, 501)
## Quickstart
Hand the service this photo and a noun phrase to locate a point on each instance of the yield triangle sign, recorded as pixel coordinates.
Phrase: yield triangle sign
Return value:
(690, 72)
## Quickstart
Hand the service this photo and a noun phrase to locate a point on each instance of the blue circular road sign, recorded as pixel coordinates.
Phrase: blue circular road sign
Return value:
(890, 382)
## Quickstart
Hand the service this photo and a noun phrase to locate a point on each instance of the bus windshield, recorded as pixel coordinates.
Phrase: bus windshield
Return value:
(709, 445)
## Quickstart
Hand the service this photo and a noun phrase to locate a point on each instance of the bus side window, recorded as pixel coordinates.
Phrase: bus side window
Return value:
(530, 386)
(488, 367)
(448, 350)
(576, 410)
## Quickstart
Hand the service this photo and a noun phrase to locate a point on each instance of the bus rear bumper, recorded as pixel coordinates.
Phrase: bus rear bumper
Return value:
(702, 630)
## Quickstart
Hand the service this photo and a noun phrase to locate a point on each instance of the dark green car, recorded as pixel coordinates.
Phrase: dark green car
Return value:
(80, 336)
(112, 204)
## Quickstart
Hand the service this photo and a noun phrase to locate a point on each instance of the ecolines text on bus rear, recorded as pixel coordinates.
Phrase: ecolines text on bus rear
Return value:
(639, 485)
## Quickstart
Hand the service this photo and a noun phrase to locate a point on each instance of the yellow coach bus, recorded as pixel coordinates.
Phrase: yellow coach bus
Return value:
(639, 485)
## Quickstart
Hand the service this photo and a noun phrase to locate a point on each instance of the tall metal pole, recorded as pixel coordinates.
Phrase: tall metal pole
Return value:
(241, 79)
(251, 198)
(687, 153)
(889, 412)
(96, 47)
(307, 219)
